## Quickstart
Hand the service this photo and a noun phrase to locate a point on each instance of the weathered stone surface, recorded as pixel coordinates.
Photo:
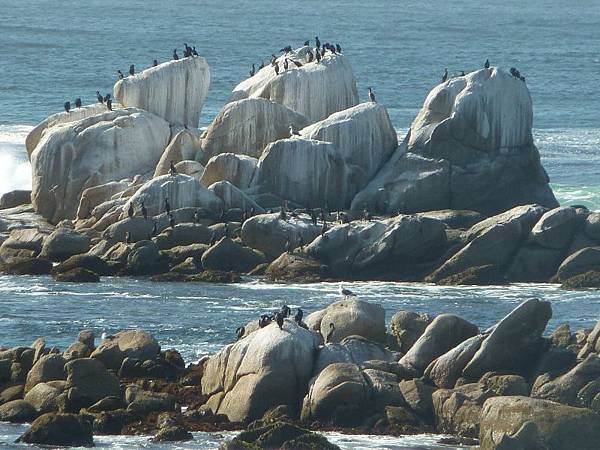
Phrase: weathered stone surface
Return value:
(232, 197)
(585, 260)
(534, 263)
(237, 169)
(93, 197)
(77, 275)
(63, 243)
(145, 259)
(448, 368)
(126, 344)
(455, 218)
(91, 378)
(353, 349)
(417, 395)
(183, 234)
(184, 146)
(15, 198)
(173, 90)
(556, 227)
(47, 368)
(504, 385)
(18, 411)
(22, 245)
(297, 267)
(31, 266)
(407, 327)
(227, 255)
(351, 316)
(592, 226)
(44, 397)
(60, 429)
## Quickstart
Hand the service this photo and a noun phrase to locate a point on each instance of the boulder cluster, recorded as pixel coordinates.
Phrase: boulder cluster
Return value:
(509, 386)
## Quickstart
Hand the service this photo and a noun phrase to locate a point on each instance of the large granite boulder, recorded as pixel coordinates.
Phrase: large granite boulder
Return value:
(522, 423)
(556, 228)
(234, 198)
(15, 198)
(267, 368)
(445, 370)
(173, 90)
(47, 368)
(351, 316)
(185, 146)
(181, 190)
(63, 243)
(297, 267)
(44, 397)
(534, 263)
(60, 429)
(407, 327)
(94, 196)
(183, 234)
(353, 349)
(580, 262)
(237, 169)
(92, 380)
(137, 344)
(21, 245)
(315, 90)
(245, 127)
(229, 256)
(17, 411)
(106, 147)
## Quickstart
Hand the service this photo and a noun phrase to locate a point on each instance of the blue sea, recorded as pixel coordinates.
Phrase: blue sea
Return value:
(53, 51)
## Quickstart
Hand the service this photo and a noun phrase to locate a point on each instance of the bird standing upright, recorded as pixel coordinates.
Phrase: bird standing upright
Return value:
(144, 211)
(372, 96)
(172, 169)
(167, 206)
(175, 55)
(78, 102)
(120, 75)
(293, 131)
(445, 76)
(67, 106)
(130, 210)
(99, 97)
(487, 64)
(132, 70)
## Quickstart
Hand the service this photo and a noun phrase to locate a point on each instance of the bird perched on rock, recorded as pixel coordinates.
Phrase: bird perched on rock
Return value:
(445, 76)
(130, 210)
(276, 67)
(286, 49)
(196, 216)
(120, 75)
(172, 169)
(226, 231)
(372, 95)
(144, 211)
(273, 59)
(313, 217)
(279, 320)
(167, 206)
(324, 228)
(310, 57)
(154, 229)
(252, 71)
(306, 43)
(329, 336)
(78, 102)
(285, 311)
(171, 221)
(67, 106)
(132, 70)
(127, 238)
(345, 292)
(296, 63)
(99, 97)
(486, 64)
(293, 131)
(366, 214)
(107, 97)
(262, 65)
(318, 55)
(154, 63)
(194, 52)
(282, 214)
(109, 104)
(240, 332)
(188, 50)
(285, 64)
(298, 316)
(288, 246)
(338, 47)
(175, 55)
(264, 320)
(317, 42)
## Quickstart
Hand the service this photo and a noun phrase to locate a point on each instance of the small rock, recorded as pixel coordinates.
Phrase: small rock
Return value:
(59, 429)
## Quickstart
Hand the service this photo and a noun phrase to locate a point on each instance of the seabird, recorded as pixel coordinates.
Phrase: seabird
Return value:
(332, 49)
(226, 230)
(109, 104)
(306, 43)
(194, 52)
(107, 96)
(279, 320)
(188, 50)
(285, 64)
(264, 320)
(276, 67)
(273, 59)
(296, 63)
(345, 292)
(252, 71)
(171, 221)
(317, 42)
(167, 206)
(288, 246)
(293, 131)
(286, 49)
(300, 242)
(282, 214)
(154, 63)
(445, 76)
(99, 97)
(144, 211)
(240, 332)
(338, 47)
(132, 70)
(366, 214)
(372, 96)
(127, 238)
(121, 76)
(313, 217)
(175, 55)
(262, 65)
(78, 102)
(67, 106)
(298, 316)
(286, 311)
(172, 169)
(318, 55)
(196, 216)
(462, 73)
(330, 334)
(130, 211)
(487, 64)
(310, 57)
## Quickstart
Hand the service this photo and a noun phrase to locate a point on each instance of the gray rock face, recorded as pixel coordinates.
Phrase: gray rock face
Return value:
(444, 333)
(407, 327)
(267, 368)
(523, 423)
(521, 329)
(448, 368)
(126, 344)
(15, 198)
(353, 349)
(534, 263)
(173, 90)
(579, 262)
(17, 411)
(145, 259)
(59, 429)
(353, 317)
(227, 255)
(232, 197)
(556, 227)
(47, 368)
(237, 169)
(183, 234)
(63, 243)
(44, 397)
(247, 126)
(184, 146)
(591, 343)
(92, 380)
(592, 226)
(21, 245)
(145, 402)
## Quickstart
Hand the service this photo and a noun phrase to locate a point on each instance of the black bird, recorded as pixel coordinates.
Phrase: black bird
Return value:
(144, 211)
(240, 332)
(67, 106)
(252, 71)
(194, 52)
(167, 206)
(296, 63)
(293, 131)
(78, 102)
(445, 76)
(286, 49)
(285, 64)
(487, 64)
(154, 229)
(264, 320)
(172, 169)
(324, 228)
(318, 55)
(276, 67)
(300, 242)
(462, 73)
(372, 96)
(285, 311)
(329, 336)
(109, 104)
(175, 55)
(99, 97)
(226, 231)
(120, 74)
(298, 316)
(107, 96)
(306, 43)
(171, 221)
(196, 216)
(279, 320)
(262, 65)
(310, 57)
(127, 238)
(154, 63)
(317, 42)
(338, 47)
(273, 59)
(288, 246)
(130, 211)
(332, 49)
(313, 217)
(132, 70)
(188, 50)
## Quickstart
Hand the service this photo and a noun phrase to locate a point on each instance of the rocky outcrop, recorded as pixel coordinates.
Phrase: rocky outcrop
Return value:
(92, 380)
(233, 198)
(352, 349)
(227, 255)
(296, 267)
(96, 195)
(173, 90)
(580, 262)
(60, 429)
(126, 344)
(15, 198)
(63, 243)
(267, 368)
(407, 327)
(237, 169)
(184, 146)
(106, 147)
(556, 228)
(22, 245)
(315, 90)
(247, 126)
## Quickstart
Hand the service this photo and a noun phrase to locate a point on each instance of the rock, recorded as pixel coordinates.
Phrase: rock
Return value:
(237, 169)
(181, 190)
(296, 267)
(523, 423)
(183, 234)
(592, 226)
(313, 90)
(77, 350)
(475, 276)
(351, 316)
(180, 254)
(22, 244)
(90, 152)
(504, 385)
(138, 229)
(215, 276)
(256, 228)
(106, 404)
(229, 256)
(579, 242)
(113, 422)
(15, 198)
(47, 368)
(18, 411)
(11, 393)
(391, 245)
(77, 276)
(556, 227)
(445, 332)
(521, 329)
(87, 261)
(481, 123)
(63, 243)
(93, 197)
(585, 260)
(247, 126)
(44, 397)
(353, 349)
(417, 395)
(445, 371)
(534, 263)
(126, 344)
(184, 146)
(143, 402)
(174, 90)
(232, 197)
(407, 327)
(146, 259)
(270, 367)
(589, 279)
(456, 219)
(281, 435)
(30, 266)
(188, 267)
(93, 381)
(59, 429)
(173, 434)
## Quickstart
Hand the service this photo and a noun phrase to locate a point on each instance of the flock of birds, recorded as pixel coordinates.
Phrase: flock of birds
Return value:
(279, 318)
(513, 71)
